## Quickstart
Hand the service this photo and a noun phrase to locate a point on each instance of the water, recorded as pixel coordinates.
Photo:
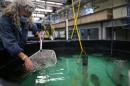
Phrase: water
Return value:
(104, 71)
(69, 71)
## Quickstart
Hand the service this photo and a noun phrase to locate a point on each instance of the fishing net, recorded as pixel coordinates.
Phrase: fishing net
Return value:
(44, 59)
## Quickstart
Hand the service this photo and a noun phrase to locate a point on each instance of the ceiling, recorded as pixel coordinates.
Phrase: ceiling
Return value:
(45, 6)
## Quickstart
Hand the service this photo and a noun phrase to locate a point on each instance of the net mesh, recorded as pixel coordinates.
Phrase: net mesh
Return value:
(43, 59)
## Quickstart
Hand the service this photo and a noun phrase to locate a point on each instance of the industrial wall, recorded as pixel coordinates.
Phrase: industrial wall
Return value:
(120, 12)
(103, 4)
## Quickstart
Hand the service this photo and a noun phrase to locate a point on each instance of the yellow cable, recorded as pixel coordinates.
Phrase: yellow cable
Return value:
(75, 17)
(76, 27)
(75, 23)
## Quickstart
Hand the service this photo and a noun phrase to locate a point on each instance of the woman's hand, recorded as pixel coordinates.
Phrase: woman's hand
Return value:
(28, 64)
(40, 35)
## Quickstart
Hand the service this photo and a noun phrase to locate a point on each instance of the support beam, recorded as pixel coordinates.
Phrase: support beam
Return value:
(100, 33)
(104, 33)
(67, 33)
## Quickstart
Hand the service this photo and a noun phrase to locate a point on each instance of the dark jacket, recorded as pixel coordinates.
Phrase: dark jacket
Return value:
(34, 29)
(12, 39)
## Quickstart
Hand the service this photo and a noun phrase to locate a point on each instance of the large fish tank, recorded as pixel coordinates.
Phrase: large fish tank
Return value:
(104, 65)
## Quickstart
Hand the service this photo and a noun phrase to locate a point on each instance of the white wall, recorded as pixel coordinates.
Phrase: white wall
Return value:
(120, 12)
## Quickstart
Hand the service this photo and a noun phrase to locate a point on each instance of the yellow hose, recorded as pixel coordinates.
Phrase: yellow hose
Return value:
(76, 27)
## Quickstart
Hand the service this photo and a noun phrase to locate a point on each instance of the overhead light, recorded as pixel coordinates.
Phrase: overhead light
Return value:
(49, 2)
(38, 15)
(37, 0)
(54, 3)
(37, 20)
(44, 10)
(8, 0)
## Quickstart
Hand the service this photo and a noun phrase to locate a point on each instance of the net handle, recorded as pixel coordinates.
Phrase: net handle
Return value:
(40, 43)
(41, 39)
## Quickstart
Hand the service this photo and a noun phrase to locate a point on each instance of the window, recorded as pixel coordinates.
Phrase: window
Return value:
(84, 33)
(93, 34)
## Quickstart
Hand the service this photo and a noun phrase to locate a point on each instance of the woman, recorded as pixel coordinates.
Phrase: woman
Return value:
(13, 34)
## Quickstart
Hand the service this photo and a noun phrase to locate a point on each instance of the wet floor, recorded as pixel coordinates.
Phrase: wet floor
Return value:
(69, 71)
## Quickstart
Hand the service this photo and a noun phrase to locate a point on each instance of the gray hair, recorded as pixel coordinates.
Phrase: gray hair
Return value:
(27, 4)
(12, 10)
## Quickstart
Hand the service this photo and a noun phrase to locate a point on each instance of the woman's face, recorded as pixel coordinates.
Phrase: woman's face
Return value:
(25, 13)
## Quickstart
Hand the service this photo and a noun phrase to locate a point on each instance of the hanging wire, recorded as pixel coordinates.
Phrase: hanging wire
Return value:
(75, 16)
(76, 27)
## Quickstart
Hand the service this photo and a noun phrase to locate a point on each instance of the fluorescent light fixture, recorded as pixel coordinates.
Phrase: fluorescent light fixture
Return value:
(37, 0)
(49, 2)
(35, 20)
(38, 15)
(44, 10)
(9, 0)
(54, 3)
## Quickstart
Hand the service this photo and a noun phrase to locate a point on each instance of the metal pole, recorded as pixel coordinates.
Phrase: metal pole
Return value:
(67, 34)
